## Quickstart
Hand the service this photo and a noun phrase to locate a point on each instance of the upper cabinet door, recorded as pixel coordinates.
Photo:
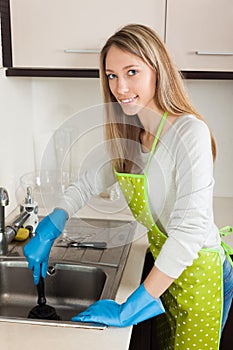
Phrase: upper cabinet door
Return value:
(199, 34)
(69, 34)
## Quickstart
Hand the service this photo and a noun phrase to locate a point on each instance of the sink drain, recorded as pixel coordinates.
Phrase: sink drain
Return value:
(51, 270)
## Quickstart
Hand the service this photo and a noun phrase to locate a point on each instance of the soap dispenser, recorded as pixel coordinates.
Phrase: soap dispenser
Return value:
(31, 207)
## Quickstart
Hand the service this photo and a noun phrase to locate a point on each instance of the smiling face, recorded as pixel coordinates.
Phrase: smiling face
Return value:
(131, 80)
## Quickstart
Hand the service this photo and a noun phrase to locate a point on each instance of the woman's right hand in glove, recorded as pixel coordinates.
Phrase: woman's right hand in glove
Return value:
(37, 250)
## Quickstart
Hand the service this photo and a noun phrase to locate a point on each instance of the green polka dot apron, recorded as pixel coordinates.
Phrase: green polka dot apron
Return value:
(194, 301)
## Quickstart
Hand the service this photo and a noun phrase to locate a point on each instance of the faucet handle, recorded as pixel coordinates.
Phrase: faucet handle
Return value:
(4, 198)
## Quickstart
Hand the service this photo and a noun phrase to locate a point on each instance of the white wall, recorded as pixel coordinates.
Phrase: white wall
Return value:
(31, 110)
(55, 100)
(214, 100)
(16, 146)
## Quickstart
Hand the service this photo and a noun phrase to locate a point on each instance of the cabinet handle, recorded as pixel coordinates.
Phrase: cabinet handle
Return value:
(81, 51)
(212, 53)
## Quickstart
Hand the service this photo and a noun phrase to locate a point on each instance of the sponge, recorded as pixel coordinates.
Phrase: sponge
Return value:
(22, 234)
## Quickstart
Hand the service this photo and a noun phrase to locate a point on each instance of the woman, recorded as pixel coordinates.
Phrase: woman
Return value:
(162, 153)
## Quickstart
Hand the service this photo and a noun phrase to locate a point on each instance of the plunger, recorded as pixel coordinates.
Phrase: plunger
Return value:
(42, 310)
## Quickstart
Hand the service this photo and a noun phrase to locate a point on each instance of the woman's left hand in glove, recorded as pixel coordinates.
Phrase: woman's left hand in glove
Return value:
(138, 307)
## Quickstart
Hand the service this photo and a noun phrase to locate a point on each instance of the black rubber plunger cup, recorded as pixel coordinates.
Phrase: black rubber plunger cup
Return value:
(42, 310)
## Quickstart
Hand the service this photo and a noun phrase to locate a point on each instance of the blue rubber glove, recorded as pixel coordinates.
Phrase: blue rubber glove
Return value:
(138, 307)
(37, 250)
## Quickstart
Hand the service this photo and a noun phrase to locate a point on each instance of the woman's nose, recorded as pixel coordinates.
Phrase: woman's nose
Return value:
(122, 86)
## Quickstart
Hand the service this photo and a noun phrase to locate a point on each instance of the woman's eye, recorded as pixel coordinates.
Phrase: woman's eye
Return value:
(111, 76)
(132, 72)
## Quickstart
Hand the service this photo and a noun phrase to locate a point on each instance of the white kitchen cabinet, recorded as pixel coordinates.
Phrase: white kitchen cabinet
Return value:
(199, 34)
(44, 31)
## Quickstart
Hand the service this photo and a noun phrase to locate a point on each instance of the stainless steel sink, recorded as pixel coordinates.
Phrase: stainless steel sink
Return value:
(76, 277)
(69, 288)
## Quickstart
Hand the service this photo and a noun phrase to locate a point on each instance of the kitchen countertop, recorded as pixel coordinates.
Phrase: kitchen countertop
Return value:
(37, 337)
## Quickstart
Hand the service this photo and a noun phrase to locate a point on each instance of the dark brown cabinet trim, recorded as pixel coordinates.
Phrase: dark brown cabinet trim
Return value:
(6, 33)
(62, 73)
(94, 73)
(207, 75)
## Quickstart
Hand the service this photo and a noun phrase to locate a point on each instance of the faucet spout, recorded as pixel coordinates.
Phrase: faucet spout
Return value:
(4, 201)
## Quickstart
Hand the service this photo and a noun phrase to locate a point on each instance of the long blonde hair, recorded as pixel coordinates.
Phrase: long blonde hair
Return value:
(170, 94)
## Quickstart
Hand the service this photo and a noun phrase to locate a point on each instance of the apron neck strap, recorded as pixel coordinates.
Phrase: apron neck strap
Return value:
(160, 128)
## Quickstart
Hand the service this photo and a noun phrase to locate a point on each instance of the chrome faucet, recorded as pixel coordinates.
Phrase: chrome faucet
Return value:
(8, 233)
(4, 201)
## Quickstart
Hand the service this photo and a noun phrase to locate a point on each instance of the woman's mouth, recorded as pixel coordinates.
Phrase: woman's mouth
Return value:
(128, 100)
